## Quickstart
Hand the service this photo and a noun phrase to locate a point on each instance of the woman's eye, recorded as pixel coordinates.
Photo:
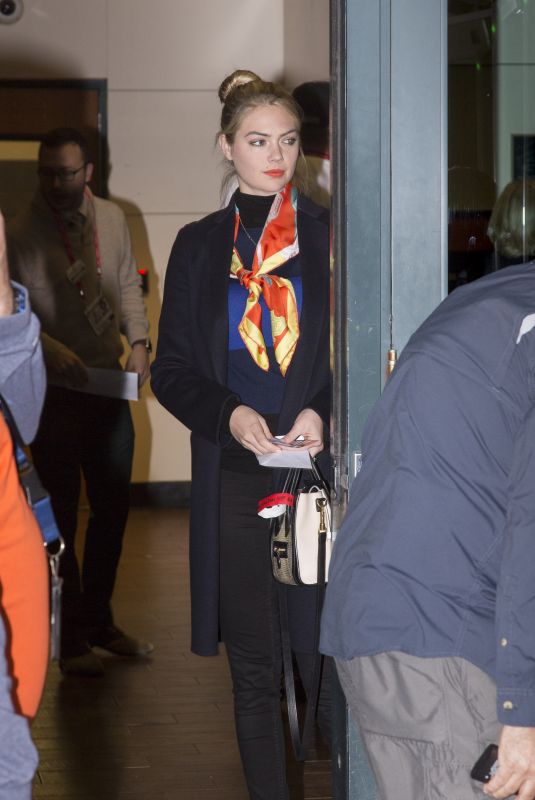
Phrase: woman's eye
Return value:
(290, 140)
(257, 142)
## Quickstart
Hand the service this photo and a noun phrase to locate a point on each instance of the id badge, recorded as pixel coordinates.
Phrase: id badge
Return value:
(76, 271)
(99, 314)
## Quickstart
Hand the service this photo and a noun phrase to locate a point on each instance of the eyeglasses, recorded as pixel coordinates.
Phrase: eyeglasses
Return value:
(63, 175)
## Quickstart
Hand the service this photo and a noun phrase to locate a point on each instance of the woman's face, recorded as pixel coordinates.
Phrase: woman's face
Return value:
(265, 149)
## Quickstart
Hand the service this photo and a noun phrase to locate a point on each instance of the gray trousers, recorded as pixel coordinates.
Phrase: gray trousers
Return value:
(18, 756)
(424, 722)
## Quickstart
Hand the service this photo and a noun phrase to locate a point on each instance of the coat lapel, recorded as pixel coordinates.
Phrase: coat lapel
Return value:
(214, 319)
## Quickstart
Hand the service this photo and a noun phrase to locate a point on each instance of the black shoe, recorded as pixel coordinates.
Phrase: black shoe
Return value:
(114, 640)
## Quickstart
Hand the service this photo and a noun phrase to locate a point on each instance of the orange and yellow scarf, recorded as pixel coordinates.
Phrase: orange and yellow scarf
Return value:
(277, 244)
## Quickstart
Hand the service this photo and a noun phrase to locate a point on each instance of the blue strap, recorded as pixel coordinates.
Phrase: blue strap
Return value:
(37, 496)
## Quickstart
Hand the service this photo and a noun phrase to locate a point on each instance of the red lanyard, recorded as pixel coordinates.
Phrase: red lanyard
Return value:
(67, 243)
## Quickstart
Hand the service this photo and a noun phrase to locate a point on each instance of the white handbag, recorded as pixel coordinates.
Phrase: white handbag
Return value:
(301, 538)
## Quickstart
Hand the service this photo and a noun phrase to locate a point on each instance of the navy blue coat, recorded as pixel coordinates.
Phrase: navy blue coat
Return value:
(436, 553)
(189, 374)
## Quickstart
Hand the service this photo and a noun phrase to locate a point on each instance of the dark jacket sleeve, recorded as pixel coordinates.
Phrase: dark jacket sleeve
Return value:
(201, 403)
(515, 597)
(315, 242)
(321, 403)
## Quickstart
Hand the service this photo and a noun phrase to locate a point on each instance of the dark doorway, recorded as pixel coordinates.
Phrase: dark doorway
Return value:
(30, 108)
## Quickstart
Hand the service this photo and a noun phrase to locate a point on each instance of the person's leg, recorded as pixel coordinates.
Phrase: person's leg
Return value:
(424, 722)
(56, 456)
(305, 662)
(250, 631)
(107, 465)
(18, 756)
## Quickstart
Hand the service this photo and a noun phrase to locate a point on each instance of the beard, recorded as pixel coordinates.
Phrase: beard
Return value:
(65, 201)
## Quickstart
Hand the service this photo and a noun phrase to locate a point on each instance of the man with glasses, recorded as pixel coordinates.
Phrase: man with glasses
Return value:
(72, 252)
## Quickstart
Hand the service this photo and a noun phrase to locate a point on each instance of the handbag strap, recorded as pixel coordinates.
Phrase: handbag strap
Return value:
(301, 742)
(36, 495)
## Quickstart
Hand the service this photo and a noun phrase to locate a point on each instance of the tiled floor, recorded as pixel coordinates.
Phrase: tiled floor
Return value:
(160, 728)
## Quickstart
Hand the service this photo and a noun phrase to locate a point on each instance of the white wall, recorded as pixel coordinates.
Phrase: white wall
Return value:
(306, 41)
(163, 61)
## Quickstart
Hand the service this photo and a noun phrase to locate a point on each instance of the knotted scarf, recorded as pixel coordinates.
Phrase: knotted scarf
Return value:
(277, 244)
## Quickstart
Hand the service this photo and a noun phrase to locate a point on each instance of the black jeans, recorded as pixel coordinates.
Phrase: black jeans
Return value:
(250, 631)
(82, 433)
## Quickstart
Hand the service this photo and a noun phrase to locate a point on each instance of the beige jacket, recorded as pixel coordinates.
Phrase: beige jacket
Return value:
(38, 260)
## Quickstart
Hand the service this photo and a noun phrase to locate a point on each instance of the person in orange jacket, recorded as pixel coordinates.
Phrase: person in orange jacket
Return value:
(23, 567)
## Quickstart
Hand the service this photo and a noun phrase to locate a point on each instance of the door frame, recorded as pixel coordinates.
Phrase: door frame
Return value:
(389, 220)
(98, 85)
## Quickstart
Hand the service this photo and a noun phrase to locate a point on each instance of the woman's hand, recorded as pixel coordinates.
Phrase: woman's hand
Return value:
(309, 425)
(250, 429)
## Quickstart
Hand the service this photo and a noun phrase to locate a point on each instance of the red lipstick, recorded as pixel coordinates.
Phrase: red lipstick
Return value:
(274, 173)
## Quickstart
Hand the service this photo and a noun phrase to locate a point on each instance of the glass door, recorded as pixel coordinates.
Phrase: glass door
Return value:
(434, 168)
(389, 222)
(491, 139)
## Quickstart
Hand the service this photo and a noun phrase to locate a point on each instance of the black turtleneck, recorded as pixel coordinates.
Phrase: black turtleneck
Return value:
(253, 208)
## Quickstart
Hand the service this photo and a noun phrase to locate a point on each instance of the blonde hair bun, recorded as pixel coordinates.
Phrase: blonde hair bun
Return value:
(231, 82)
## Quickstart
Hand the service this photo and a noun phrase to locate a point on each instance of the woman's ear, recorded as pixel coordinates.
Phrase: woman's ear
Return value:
(226, 148)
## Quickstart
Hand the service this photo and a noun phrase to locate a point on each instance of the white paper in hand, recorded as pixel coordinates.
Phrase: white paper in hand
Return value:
(106, 382)
(290, 457)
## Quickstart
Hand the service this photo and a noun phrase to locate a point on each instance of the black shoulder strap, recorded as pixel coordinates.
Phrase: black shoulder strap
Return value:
(301, 743)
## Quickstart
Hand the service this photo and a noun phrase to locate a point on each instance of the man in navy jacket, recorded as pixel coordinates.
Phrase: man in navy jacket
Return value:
(430, 608)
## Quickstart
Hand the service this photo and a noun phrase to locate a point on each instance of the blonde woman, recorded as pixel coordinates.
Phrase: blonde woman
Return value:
(243, 356)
